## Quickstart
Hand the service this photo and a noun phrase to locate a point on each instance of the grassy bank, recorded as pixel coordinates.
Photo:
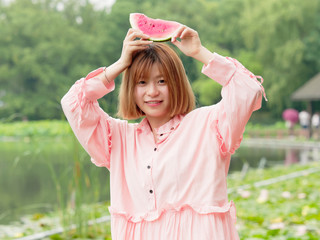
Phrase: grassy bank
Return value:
(54, 128)
(288, 209)
(284, 210)
(45, 128)
(57, 128)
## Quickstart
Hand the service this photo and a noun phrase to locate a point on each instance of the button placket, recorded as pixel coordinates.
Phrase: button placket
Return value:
(150, 188)
(164, 135)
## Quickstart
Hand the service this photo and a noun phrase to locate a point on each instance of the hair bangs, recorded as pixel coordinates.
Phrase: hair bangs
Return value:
(143, 63)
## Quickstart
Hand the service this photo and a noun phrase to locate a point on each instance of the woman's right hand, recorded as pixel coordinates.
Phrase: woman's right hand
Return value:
(133, 42)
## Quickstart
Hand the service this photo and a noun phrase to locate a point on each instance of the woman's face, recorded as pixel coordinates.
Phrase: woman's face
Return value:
(151, 94)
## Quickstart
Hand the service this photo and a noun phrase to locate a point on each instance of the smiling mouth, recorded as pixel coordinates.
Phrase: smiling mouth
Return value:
(154, 103)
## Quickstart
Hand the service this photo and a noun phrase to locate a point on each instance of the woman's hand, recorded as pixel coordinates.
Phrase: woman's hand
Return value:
(190, 44)
(133, 42)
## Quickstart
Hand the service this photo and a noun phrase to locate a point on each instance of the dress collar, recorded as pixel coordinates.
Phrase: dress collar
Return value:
(169, 126)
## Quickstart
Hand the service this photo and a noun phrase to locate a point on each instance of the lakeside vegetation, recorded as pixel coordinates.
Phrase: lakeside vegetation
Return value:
(56, 128)
(44, 128)
(284, 210)
(281, 211)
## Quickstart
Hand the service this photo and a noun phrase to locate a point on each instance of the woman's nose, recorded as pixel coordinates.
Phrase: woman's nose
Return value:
(152, 90)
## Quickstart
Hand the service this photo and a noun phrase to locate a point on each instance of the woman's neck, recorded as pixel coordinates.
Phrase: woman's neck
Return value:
(157, 122)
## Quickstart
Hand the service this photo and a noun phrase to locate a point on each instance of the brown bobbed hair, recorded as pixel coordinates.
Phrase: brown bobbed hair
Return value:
(181, 97)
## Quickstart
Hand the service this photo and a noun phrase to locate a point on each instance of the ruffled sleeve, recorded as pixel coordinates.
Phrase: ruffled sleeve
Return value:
(241, 95)
(89, 122)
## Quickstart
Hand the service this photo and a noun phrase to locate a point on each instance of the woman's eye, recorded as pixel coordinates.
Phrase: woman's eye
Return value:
(141, 82)
(162, 81)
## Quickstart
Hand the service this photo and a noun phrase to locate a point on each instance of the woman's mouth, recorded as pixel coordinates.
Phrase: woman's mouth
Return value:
(153, 103)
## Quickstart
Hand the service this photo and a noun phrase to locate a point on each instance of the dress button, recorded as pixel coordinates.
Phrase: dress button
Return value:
(155, 149)
(151, 191)
(161, 135)
(148, 166)
(172, 128)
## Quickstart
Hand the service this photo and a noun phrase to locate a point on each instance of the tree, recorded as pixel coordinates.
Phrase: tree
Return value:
(43, 51)
(277, 31)
(45, 45)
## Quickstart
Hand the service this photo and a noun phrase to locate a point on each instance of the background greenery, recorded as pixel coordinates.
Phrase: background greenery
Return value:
(46, 45)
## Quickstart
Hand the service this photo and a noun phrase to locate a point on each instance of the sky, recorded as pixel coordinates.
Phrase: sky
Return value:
(99, 4)
(102, 3)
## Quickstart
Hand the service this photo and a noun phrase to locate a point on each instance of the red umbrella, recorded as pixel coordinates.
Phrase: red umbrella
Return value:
(291, 115)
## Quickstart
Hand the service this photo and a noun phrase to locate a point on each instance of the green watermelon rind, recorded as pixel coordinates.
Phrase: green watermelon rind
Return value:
(160, 40)
(134, 26)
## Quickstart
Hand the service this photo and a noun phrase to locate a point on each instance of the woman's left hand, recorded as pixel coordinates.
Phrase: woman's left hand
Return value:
(189, 43)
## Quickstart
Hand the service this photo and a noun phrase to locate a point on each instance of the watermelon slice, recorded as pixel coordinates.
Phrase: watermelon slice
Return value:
(159, 30)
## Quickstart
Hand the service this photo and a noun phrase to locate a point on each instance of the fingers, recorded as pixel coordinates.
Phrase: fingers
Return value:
(189, 32)
(136, 44)
(177, 33)
(132, 34)
(189, 42)
(183, 32)
(133, 42)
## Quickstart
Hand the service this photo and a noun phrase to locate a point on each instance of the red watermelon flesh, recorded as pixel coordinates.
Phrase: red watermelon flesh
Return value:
(159, 30)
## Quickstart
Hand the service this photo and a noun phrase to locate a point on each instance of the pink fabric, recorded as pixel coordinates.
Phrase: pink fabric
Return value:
(176, 188)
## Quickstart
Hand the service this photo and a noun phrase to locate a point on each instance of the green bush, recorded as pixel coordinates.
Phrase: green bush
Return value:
(50, 128)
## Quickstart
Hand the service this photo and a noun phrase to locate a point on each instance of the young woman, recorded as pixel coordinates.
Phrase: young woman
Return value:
(168, 172)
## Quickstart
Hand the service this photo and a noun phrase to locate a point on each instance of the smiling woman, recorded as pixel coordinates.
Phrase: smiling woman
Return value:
(168, 172)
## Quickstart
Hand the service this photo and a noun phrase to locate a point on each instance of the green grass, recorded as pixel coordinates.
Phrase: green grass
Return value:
(254, 175)
(56, 128)
(290, 210)
(53, 128)
(48, 128)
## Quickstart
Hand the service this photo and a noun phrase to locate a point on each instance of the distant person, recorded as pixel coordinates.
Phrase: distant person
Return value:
(304, 119)
(315, 120)
(291, 116)
(290, 126)
(168, 172)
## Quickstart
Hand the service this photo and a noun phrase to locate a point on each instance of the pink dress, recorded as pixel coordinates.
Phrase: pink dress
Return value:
(176, 188)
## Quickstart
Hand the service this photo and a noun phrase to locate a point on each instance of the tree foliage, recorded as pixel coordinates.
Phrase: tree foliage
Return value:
(46, 45)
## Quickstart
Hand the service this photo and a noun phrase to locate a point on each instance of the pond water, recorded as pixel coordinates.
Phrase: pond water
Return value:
(43, 174)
